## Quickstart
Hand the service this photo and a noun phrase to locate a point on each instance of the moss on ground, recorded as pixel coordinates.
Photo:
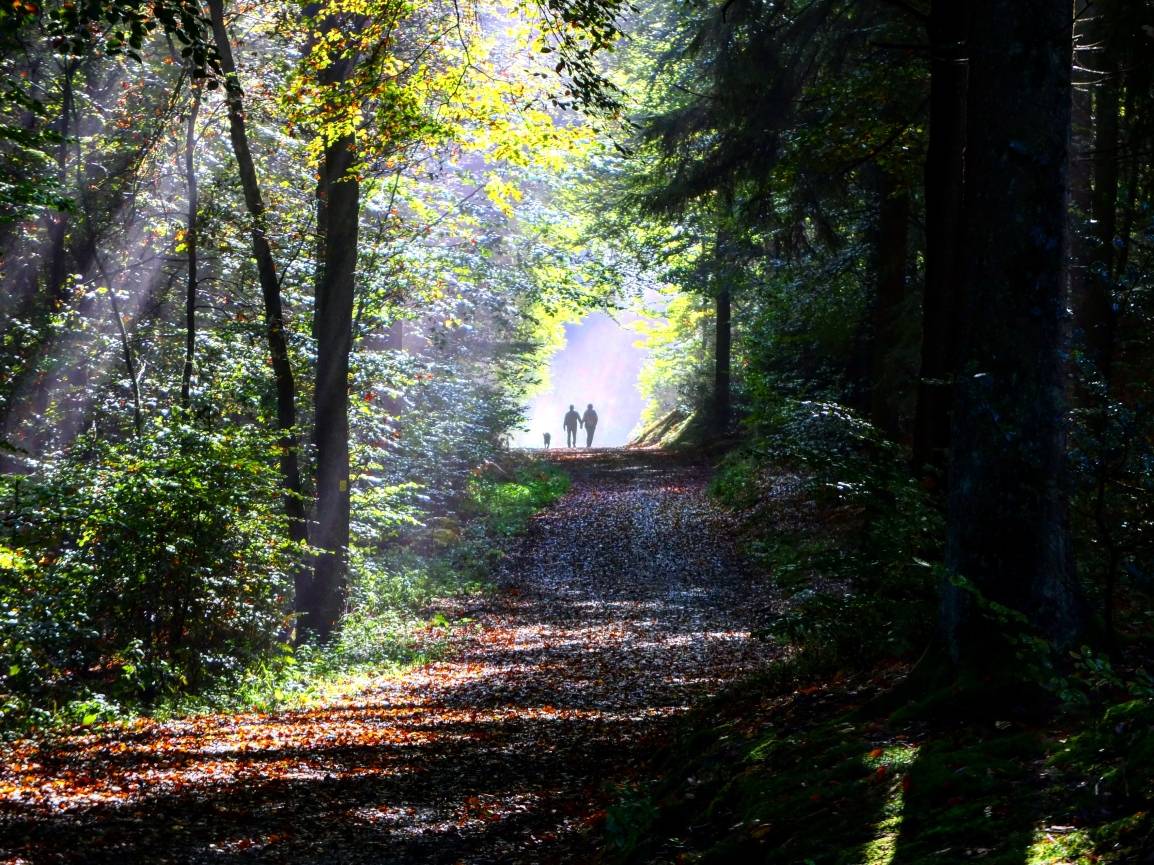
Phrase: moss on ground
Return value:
(786, 774)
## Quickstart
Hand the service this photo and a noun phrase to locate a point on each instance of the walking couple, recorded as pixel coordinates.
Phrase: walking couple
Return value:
(574, 420)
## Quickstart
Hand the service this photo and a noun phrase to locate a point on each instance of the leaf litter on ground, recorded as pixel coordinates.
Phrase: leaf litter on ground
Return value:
(624, 606)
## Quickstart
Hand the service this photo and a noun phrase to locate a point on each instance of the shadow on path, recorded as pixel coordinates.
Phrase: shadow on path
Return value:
(624, 606)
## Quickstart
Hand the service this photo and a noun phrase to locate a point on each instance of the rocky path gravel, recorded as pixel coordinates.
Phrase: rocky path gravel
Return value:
(625, 605)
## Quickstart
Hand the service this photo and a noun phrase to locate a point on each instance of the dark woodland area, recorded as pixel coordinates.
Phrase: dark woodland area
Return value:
(303, 560)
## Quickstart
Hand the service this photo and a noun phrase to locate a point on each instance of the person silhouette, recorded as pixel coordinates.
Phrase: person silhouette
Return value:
(572, 420)
(589, 421)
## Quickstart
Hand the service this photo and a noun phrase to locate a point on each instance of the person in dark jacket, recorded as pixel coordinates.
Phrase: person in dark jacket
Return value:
(572, 421)
(589, 421)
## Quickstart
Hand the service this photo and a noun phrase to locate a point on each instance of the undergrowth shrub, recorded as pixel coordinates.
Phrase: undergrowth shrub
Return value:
(506, 502)
(154, 574)
(393, 586)
(1112, 501)
(857, 565)
(140, 570)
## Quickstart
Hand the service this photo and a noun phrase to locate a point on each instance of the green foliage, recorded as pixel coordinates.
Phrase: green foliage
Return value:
(577, 31)
(857, 565)
(393, 619)
(1113, 498)
(630, 818)
(505, 504)
(793, 770)
(675, 378)
(1116, 750)
(32, 147)
(141, 570)
(390, 601)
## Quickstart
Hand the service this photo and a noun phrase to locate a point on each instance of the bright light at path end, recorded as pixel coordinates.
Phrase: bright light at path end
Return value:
(599, 364)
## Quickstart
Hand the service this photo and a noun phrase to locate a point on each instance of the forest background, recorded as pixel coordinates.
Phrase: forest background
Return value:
(279, 278)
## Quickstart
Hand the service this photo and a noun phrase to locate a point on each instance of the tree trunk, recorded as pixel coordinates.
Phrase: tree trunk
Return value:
(1006, 521)
(1097, 313)
(1081, 163)
(891, 245)
(191, 241)
(56, 279)
(945, 166)
(125, 351)
(722, 350)
(270, 292)
(722, 318)
(338, 218)
(334, 342)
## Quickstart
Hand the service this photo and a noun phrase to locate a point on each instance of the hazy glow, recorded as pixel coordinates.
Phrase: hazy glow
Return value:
(599, 364)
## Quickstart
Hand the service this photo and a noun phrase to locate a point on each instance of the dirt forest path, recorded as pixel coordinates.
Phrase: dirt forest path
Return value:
(623, 606)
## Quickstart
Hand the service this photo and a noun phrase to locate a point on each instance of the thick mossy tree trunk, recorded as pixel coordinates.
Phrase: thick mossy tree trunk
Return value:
(270, 292)
(1007, 528)
(945, 164)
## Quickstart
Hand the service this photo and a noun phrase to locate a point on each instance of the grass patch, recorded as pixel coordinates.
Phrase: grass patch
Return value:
(505, 502)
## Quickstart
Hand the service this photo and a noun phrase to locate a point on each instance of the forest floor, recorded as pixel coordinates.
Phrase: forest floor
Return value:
(624, 607)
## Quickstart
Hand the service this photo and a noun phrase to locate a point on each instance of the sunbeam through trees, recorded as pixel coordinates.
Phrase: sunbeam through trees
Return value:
(531, 431)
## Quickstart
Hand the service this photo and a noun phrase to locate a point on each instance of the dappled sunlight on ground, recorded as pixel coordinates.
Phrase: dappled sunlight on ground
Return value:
(625, 605)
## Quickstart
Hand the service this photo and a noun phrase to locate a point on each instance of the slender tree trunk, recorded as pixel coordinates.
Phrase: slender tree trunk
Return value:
(191, 242)
(892, 243)
(1007, 529)
(1095, 310)
(722, 318)
(126, 352)
(945, 165)
(723, 350)
(1081, 163)
(55, 255)
(1099, 316)
(270, 292)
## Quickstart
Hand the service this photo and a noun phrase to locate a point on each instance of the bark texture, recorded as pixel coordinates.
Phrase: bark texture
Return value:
(945, 166)
(191, 243)
(270, 293)
(1007, 527)
(334, 318)
(338, 219)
